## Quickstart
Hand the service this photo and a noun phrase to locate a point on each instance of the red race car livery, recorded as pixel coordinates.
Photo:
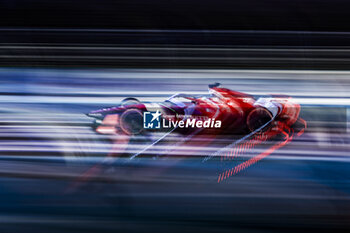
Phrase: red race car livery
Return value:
(222, 111)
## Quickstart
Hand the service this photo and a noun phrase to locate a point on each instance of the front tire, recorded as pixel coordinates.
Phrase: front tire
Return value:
(130, 101)
(131, 121)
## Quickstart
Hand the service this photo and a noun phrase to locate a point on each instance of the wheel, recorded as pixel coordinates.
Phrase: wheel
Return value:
(257, 118)
(131, 121)
(130, 101)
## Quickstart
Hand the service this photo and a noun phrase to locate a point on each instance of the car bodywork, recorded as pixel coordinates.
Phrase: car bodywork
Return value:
(247, 122)
(239, 113)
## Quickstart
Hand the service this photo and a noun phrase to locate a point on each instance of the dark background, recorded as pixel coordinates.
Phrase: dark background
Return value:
(304, 15)
(255, 34)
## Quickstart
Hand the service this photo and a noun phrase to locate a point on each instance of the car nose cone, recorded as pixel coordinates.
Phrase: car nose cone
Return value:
(94, 115)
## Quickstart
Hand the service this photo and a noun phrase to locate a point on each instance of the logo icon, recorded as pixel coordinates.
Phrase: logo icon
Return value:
(151, 120)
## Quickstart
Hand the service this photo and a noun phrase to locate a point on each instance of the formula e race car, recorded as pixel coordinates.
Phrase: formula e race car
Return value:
(224, 123)
(221, 111)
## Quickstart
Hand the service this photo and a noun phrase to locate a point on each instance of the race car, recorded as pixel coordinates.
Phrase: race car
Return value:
(224, 124)
(222, 111)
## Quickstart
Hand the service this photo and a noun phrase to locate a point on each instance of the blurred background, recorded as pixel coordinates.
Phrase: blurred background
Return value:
(62, 59)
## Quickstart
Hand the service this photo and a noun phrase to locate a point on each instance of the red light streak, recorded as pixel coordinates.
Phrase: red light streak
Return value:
(242, 148)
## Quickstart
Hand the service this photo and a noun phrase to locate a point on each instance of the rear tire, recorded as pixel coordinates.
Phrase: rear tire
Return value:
(257, 118)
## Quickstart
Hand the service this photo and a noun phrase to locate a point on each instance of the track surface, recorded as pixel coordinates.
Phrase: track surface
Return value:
(47, 145)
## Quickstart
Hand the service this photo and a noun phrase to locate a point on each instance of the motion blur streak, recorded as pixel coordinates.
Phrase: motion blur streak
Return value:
(47, 146)
(245, 164)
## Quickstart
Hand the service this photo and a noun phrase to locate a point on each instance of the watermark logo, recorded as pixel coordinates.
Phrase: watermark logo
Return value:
(151, 120)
